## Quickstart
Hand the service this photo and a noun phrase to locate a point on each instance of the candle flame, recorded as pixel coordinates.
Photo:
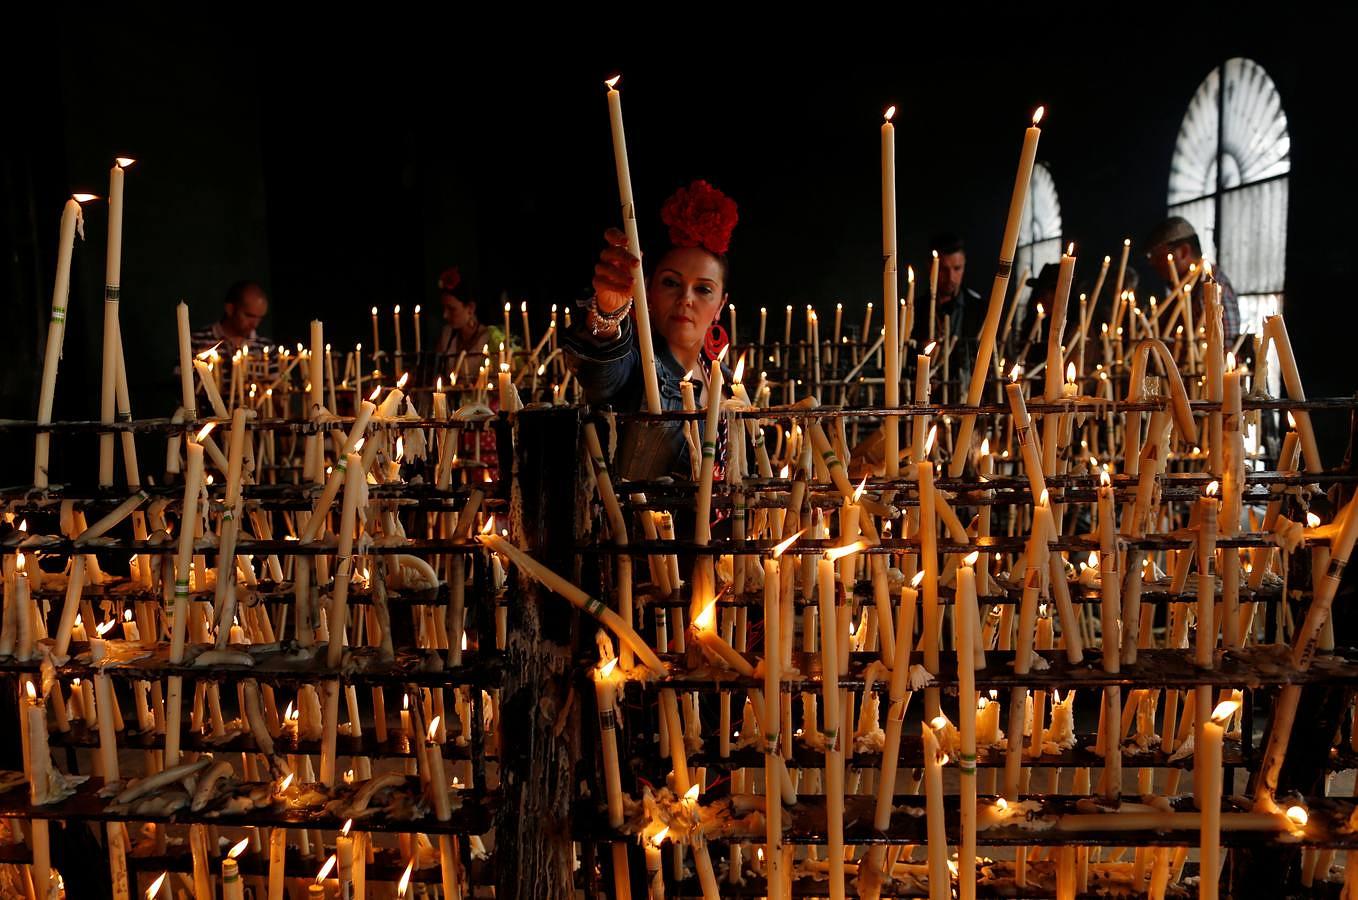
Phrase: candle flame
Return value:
(207, 354)
(1213, 488)
(985, 446)
(659, 837)
(434, 726)
(124, 161)
(613, 82)
(1298, 816)
(607, 668)
(1224, 710)
(890, 112)
(105, 627)
(1093, 562)
(937, 723)
(238, 848)
(377, 392)
(691, 795)
(401, 382)
(1070, 373)
(707, 619)
(1041, 310)
(1230, 361)
(919, 577)
(1104, 480)
(127, 615)
(1042, 500)
(1070, 249)
(287, 782)
(28, 689)
(970, 558)
(84, 198)
(154, 889)
(205, 431)
(783, 547)
(858, 492)
(1312, 520)
(1015, 372)
(836, 553)
(740, 369)
(929, 347)
(1291, 420)
(929, 441)
(403, 885)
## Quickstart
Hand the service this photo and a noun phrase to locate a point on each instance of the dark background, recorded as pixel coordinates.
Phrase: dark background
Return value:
(346, 166)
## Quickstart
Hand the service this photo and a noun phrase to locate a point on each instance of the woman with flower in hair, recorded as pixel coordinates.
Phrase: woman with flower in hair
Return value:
(686, 290)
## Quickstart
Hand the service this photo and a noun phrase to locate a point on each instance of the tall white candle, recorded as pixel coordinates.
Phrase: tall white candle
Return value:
(999, 287)
(72, 223)
(629, 221)
(113, 263)
(890, 285)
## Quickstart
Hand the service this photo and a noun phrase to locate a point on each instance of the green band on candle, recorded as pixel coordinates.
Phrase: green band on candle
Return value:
(125, 416)
(58, 314)
(709, 449)
(830, 459)
(594, 606)
(341, 465)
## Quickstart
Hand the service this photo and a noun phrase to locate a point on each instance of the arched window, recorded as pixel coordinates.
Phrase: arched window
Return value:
(1040, 228)
(1229, 178)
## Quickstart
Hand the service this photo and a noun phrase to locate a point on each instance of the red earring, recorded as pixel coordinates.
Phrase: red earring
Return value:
(715, 341)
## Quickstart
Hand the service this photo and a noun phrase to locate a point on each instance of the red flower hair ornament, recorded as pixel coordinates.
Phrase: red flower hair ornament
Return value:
(700, 216)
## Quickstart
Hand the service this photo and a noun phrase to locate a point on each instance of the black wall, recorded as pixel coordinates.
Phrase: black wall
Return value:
(346, 170)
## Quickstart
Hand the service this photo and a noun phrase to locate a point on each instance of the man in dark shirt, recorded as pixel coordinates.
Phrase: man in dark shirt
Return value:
(958, 305)
(1175, 241)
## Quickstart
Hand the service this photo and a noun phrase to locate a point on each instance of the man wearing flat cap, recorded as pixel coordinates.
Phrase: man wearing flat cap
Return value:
(1175, 242)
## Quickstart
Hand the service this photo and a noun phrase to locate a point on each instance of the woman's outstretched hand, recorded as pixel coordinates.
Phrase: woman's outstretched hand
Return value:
(613, 273)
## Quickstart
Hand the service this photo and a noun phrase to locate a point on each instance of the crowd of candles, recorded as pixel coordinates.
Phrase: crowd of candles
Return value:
(1017, 523)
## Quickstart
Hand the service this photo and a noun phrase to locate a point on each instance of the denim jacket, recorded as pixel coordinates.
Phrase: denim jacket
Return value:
(609, 371)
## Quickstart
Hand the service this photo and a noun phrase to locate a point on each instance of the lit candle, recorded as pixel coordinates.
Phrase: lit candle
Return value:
(316, 890)
(890, 285)
(233, 886)
(933, 294)
(606, 679)
(438, 779)
(377, 347)
(705, 632)
(998, 289)
(763, 324)
(419, 340)
(629, 219)
(72, 223)
(396, 323)
(655, 872)
(965, 613)
(1207, 768)
(113, 265)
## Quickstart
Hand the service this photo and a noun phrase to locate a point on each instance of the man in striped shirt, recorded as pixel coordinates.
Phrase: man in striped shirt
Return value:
(244, 306)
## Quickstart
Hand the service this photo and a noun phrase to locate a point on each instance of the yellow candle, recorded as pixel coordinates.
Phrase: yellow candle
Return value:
(629, 220)
(981, 370)
(1207, 768)
(965, 614)
(72, 223)
(890, 286)
(934, 758)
